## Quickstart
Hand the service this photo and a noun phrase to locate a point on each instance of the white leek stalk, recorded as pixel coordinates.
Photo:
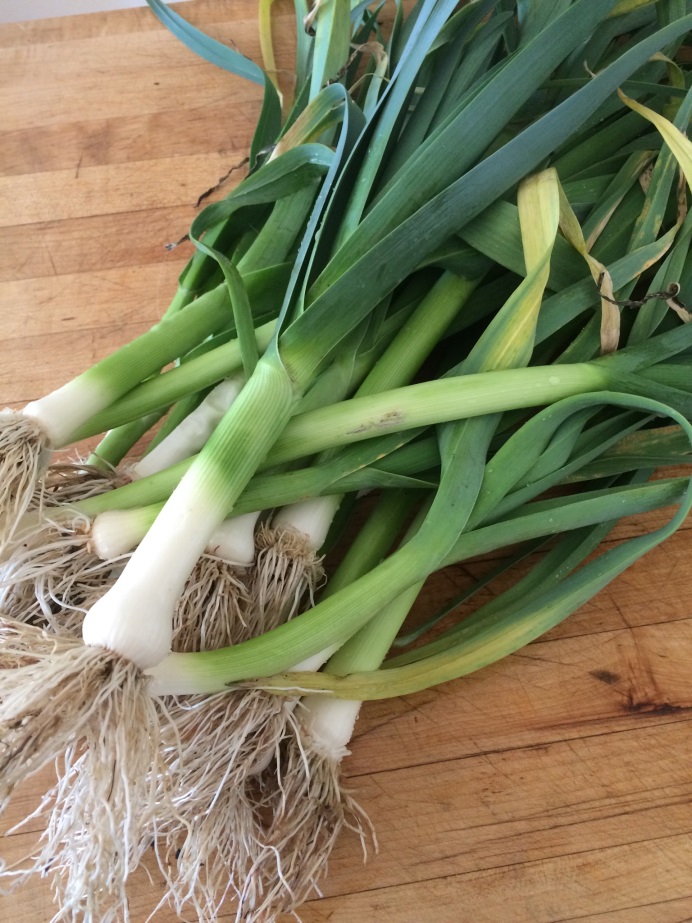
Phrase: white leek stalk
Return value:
(329, 723)
(134, 618)
(234, 540)
(61, 412)
(311, 518)
(191, 434)
(118, 532)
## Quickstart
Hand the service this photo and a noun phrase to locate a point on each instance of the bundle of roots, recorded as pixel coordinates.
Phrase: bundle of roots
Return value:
(212, 611)
(91, 712)
(52, 576)
(23, 458)
(288, 573)
(306, 809)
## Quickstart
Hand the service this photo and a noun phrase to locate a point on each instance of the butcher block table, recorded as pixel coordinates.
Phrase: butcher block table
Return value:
(553, 786)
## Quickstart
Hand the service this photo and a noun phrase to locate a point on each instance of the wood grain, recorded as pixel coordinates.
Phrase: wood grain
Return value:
(554, 786)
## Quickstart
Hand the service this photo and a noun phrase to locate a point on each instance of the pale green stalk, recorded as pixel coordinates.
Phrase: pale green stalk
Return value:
(187, 378)
(63, 412)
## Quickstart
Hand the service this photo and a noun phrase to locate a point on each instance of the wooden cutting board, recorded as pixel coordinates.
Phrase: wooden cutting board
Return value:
(554, 786)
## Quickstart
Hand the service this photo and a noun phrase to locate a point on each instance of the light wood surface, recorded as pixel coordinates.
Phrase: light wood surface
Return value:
(555, 786)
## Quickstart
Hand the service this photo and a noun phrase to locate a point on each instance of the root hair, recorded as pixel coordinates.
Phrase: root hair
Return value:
(217, 836)
(90, 711)
(23, 456)
(66, 482)
(21, 645)
(52, 575)
(310, 808)
(103, 820)
(227, 739)
(211, 611)
(287, 572)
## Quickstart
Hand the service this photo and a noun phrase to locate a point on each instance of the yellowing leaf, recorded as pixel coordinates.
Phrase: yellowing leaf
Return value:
(266, 42)
(538, 201)
(610, 313)
(628, 6)
(510, 337)
(680, 146)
